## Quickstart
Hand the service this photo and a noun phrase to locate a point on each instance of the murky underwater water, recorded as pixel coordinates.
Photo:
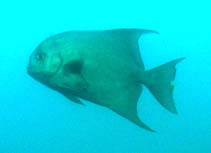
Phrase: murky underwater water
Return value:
(34, 118)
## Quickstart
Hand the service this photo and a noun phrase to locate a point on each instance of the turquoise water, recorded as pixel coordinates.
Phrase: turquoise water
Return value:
(35, 119)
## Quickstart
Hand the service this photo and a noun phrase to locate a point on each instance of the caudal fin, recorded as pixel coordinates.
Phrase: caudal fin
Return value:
(159, 83)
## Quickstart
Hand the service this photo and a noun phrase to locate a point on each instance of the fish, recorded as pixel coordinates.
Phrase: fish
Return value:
(104, 67)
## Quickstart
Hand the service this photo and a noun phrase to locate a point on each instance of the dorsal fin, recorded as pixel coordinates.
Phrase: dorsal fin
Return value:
(131, 37)
(135, 34)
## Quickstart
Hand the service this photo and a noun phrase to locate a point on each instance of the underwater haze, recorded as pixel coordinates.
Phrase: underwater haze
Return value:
(36, 119)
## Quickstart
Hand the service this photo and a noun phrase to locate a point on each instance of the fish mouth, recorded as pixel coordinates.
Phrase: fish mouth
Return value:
(29, 70)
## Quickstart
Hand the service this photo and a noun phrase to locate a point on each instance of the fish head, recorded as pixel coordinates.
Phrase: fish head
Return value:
(45, 61)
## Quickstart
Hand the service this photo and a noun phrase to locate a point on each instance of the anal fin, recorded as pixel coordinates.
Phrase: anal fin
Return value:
(132, 116)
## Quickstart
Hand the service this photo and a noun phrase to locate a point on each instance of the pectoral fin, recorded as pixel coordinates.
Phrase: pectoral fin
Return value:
(73, 99)
(68, 94)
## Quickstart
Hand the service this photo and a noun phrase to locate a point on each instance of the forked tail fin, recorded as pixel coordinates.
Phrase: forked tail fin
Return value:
(159, 83)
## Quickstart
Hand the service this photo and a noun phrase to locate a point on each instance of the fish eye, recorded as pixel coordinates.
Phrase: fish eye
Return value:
(39, 56)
